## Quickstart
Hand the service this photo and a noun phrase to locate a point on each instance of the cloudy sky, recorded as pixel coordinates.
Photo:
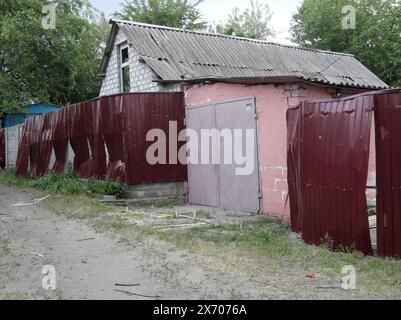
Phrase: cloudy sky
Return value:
(218, 10)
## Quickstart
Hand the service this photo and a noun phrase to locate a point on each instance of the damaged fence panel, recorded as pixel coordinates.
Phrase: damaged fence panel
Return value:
(108, 138)
(60, 139)
(96, 165)
(112, 114)
(2, 149)
(293, 124)
(388, 158)
(329, 184)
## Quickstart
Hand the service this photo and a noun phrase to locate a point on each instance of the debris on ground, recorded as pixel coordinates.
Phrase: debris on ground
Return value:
(127, 285)
(137, 294)
(25, 204)
(38, 254)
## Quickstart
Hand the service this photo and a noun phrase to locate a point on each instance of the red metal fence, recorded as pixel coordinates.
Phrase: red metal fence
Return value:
(388, 158)
(2, 149)
(328, 154)
(293, 165)
(328, 174)
(108, 137)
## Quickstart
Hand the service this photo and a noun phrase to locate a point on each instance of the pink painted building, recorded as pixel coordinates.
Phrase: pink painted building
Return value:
(272, 102)
(233, 83)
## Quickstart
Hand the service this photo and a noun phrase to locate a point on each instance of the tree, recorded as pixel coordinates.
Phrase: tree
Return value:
(251, 23)
(170, 13)
(375, 40)
(58, 66)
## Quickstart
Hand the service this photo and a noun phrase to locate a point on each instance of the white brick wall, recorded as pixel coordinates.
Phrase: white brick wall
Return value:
(13, 136)
(141, 74)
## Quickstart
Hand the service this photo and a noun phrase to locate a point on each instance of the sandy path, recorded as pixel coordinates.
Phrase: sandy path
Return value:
(90, 269)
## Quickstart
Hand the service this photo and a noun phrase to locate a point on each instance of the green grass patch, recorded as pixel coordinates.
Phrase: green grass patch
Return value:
(4, 247)
(66, 184)
(78, 207)
(8, 178)
(254, 247)
(158, 204)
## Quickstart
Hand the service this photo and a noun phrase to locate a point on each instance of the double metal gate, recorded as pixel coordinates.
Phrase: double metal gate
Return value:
(217, 183)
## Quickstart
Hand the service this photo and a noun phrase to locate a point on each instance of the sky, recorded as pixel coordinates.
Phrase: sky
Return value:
(218, 10)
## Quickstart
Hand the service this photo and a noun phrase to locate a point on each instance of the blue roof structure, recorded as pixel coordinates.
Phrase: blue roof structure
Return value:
(13, 119)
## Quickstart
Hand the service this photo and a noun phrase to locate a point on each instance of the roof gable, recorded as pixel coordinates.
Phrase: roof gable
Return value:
(179, 55)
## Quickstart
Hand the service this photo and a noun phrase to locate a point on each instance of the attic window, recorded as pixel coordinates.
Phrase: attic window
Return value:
(124, 71)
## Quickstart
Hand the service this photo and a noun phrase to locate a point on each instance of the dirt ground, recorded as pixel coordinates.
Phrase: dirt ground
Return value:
(89, 264)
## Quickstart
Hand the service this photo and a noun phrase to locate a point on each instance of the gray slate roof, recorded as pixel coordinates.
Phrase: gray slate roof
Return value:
(178, 55)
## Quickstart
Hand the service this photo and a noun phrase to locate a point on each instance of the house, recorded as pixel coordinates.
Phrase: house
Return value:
(232, 83)
(13, 119)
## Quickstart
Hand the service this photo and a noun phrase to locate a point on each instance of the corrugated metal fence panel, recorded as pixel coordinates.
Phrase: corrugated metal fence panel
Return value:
(333, 170)
(144, 112)
(60, 138)
(22, 164)
(2, 149)
(388, 153)
(113, 127)
(293, 126)
(119, 123)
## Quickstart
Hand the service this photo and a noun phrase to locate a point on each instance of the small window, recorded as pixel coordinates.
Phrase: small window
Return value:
(125, 72)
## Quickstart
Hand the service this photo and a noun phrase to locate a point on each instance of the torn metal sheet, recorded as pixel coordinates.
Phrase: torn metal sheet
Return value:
(107, 136)
(329, 174)
(2, 149)
(388, 158)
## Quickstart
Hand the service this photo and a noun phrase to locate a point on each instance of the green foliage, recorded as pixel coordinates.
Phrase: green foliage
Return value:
(375, 41)
(170, 13)
(57, 66)
(70, 184)
(67, 184)
(251, 23)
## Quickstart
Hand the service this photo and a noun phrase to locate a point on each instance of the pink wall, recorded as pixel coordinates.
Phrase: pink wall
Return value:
(272, 103)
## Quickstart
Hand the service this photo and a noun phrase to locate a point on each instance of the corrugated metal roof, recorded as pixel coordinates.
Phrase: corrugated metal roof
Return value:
(181, 55)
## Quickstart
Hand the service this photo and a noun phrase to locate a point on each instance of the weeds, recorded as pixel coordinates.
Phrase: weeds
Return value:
(66, 184)
(4, 247)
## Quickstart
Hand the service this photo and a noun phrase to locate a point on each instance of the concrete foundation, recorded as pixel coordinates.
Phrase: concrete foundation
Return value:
(157, 190)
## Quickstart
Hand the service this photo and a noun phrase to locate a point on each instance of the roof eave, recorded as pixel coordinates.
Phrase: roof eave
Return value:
(109, 48)
(269, 80)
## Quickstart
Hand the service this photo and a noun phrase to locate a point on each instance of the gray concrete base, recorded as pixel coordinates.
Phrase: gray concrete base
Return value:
(156, 190)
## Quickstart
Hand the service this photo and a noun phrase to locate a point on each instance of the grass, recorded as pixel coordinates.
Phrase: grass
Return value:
(251, 248)
(66, 184)
(162, 204)
(4, 247)
(254, 247)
